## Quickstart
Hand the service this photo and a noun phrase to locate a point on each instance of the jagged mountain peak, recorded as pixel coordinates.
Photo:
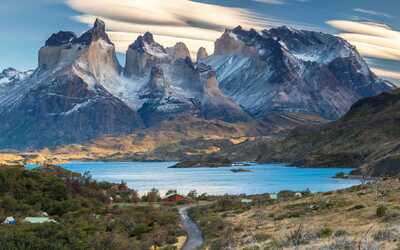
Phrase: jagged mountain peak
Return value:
(9, 71)
(143, 54)
(179, 51)
(60, 38)
(64, 49)
(312, 46)
(147, 44)
(10, 74)
(97, 32)
(148, 38)
(245, 42)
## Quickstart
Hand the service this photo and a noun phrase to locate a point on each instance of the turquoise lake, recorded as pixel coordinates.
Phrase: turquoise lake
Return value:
(264, 178)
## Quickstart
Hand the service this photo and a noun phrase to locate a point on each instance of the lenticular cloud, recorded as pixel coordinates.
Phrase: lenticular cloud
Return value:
(196, 24)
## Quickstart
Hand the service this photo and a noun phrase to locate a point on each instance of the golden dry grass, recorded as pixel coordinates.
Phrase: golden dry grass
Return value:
(353, 211)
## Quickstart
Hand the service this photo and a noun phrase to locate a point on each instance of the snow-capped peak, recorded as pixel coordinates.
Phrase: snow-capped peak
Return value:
(12, 75)
(146, 44)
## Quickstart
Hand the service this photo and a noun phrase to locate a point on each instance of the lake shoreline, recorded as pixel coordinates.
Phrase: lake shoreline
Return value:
(263, 178)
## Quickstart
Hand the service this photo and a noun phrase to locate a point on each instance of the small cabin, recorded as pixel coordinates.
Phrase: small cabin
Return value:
(246, 201)
(273, 196)
(39, 220)
(9, 221)
(174, 198)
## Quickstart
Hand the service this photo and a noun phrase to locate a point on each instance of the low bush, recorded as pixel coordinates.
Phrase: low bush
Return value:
(381, 211)
(357, 207)
(341, 233)
(340, 243)
(325, 232)
(385, 235)
(299, 236)
(261, 237)
(340, 175)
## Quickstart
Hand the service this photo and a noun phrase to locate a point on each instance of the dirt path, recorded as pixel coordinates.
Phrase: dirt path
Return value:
(194, 235)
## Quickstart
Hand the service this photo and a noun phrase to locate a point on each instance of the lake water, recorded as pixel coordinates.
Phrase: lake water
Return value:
(264, 178)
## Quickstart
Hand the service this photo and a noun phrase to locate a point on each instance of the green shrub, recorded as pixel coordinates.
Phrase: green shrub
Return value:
(260, 237)
(385, 235)
(341, 233)
(325, 232)
(252, 248)
(381, 211)
(357, 207)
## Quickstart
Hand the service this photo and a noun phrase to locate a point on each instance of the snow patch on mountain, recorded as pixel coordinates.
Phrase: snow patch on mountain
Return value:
(12, 75)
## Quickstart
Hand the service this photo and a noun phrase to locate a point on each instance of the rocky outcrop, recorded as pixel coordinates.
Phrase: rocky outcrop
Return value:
(98, 32)
(143, 54)
(179, 51)
(175, 86)
(11, 75)
(215, 104)
(227, 44)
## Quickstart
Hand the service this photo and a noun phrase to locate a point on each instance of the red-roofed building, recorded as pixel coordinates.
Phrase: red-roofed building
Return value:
(174, 198)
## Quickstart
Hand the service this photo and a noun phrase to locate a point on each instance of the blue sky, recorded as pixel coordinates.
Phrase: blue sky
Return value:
(370, 25)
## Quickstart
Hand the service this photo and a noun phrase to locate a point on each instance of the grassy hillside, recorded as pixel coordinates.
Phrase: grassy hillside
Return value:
(361, 217)
(368, 136)
(85, 217)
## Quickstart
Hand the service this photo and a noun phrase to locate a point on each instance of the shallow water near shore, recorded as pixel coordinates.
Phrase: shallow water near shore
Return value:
(263, 178)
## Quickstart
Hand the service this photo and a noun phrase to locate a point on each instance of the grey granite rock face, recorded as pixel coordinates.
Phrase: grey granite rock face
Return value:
(179, 51)
(64, 100)
(80, 92)
(143, 54)
(286, 70)
(66, 112)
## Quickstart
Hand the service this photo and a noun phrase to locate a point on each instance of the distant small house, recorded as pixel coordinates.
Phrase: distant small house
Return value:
(10, 221)
(273, 196)
(39, 220)
(174, 198)
(246, 201)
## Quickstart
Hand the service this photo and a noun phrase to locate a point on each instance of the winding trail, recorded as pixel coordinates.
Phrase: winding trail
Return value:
(194, 235)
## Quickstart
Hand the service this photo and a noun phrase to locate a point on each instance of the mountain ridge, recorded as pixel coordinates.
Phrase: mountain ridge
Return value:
(80, 91)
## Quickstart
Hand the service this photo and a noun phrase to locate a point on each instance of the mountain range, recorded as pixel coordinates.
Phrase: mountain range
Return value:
(270, 80)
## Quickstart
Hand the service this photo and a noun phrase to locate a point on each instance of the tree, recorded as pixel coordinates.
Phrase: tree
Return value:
(134, 196)
(153, 195)
(171, 192)
(192, 194)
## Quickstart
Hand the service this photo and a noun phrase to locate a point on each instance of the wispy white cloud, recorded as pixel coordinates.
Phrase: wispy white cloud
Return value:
(395, 75)
(372, 12)
(374, 40)
(197, 24)
(371, 39)
(270, 1)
